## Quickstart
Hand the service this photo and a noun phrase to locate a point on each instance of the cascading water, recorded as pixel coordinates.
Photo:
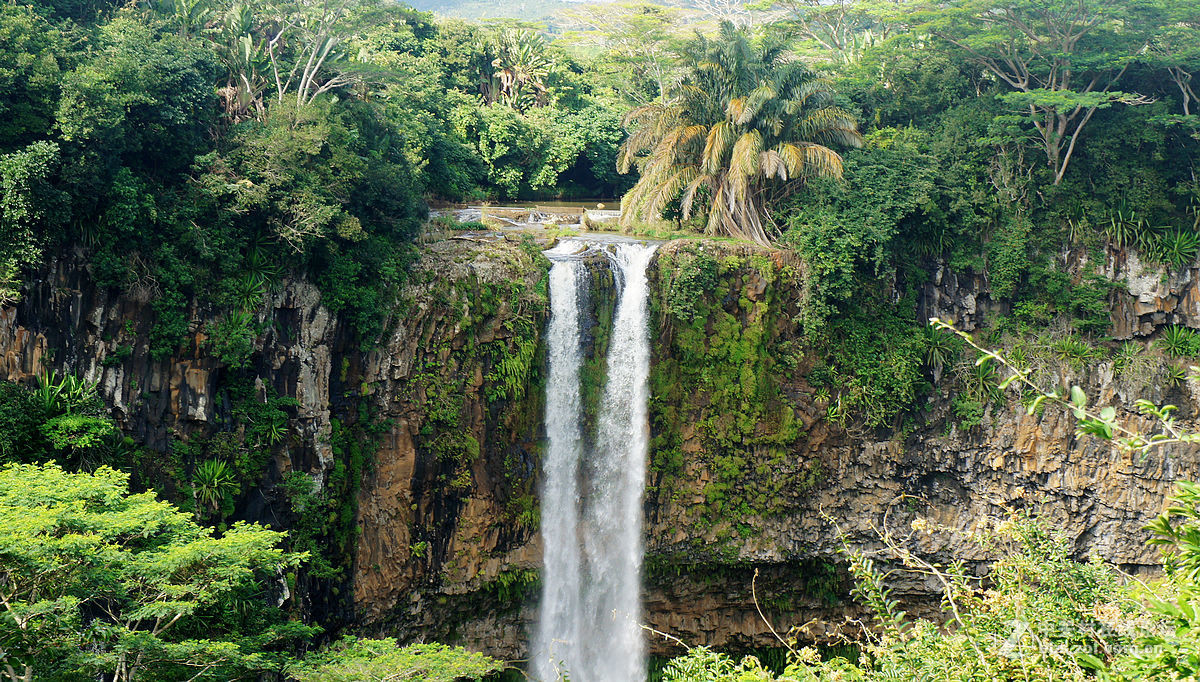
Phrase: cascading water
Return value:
(612, 541)
(592, 510)
(558, 621)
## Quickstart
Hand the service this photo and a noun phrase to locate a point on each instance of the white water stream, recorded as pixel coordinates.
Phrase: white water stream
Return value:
(588, 628)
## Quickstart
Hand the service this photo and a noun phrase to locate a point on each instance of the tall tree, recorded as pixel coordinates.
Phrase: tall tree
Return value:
(732, 11)
(743, 128)
(30, 206)
(840, 29)
(1061, 58)
(1175, 46)
(30, 52)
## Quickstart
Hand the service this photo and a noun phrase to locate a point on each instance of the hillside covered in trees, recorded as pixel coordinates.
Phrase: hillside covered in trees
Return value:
(199, 155)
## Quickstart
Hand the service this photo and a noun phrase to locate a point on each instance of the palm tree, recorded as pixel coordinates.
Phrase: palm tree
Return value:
(744, 128)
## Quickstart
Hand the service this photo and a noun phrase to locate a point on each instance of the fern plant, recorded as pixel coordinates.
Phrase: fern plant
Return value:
(510, 373)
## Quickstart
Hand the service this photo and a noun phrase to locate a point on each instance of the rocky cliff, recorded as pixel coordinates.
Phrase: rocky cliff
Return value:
(426, 447)
(422, 451)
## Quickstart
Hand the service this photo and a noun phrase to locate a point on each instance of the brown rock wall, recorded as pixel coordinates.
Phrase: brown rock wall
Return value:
(437, 534)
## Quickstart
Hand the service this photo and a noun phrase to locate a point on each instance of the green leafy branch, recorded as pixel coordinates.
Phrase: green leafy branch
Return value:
(1101, 423)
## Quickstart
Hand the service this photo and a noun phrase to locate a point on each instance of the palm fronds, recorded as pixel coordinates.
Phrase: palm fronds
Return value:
(747, 123)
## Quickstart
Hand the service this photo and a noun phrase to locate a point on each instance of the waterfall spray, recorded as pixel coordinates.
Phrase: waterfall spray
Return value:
(558, 629)
(592, 528)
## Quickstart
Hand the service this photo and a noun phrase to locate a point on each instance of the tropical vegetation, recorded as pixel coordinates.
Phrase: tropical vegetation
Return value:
(1039, 614)
(735, 134)
(201, 155)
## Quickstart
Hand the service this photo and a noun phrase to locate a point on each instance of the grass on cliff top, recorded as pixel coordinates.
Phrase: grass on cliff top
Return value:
(666, 230)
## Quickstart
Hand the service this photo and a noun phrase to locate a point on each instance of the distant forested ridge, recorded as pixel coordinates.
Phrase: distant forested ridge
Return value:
(477, 9)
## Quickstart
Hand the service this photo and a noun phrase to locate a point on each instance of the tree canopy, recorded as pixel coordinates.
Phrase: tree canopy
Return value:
(96, 579)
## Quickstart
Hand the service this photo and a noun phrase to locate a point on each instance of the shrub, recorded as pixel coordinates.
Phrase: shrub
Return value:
(76, 431)
(1075, 351)
(1178, 341)
(968, 411)
(377, 660)
(940, 349)
(695, 278)
(21, 439)
(877, 359)
(1126, 355)
(232, 339)
(1178, 248)
(1172, 652)
(981, 380)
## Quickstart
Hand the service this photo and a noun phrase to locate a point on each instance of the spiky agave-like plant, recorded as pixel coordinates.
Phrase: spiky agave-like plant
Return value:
(743, 128)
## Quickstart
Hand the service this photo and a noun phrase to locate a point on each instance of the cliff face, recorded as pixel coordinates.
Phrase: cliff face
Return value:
(427, 444)
(752, 465)
(771, 475)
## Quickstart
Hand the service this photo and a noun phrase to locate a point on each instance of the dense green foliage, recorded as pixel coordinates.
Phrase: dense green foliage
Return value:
(366, 660)
(1039, 613)
(96, 580)
(1042, 616)
(201, 151)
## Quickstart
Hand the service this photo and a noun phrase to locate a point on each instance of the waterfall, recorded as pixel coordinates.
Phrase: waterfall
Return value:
(592, 498)
(559, 624)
